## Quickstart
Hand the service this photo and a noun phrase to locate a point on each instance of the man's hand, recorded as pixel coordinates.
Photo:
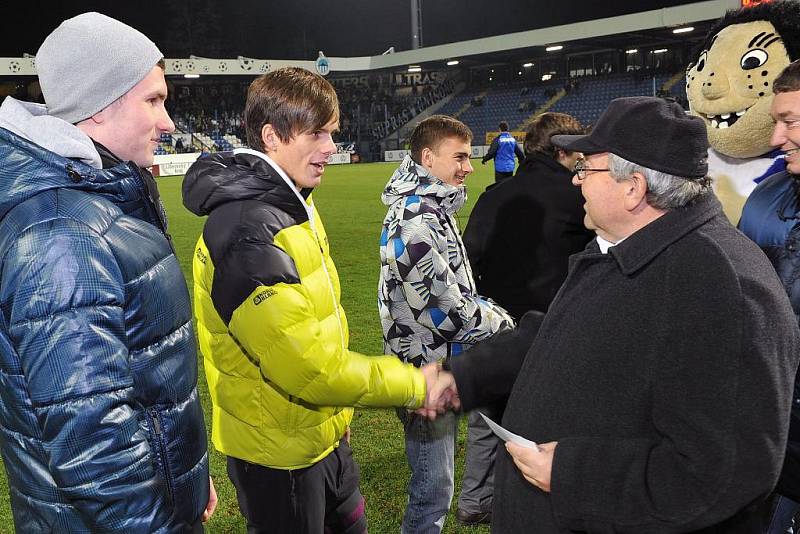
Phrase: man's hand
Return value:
(431, 374)
(347, 435)
(441, 393)
(535, 466)
(212, 501)
(444, 394)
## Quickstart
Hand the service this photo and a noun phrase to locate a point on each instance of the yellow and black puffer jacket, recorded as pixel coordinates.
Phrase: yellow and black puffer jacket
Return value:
(272, 331)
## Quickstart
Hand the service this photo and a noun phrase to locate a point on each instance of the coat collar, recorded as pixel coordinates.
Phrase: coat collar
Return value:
(641, 247)
(537, 158)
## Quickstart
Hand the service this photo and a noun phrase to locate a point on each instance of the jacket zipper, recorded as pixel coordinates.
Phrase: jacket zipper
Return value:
(158, 437)
(152, 209)
(465, 259)
(327, 275)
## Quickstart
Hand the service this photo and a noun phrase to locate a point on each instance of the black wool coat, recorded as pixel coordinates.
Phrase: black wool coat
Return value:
(664, 371)
(521, 233)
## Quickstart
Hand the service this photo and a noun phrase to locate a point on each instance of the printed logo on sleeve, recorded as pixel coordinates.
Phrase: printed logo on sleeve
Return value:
(264, 295)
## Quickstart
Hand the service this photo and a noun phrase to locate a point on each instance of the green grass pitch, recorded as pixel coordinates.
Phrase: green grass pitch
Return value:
(349, 203)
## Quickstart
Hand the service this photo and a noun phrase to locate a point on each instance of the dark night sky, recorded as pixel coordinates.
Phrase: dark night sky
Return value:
(296, 29)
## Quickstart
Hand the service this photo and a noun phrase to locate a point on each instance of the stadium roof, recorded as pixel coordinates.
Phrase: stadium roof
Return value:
(648, 28)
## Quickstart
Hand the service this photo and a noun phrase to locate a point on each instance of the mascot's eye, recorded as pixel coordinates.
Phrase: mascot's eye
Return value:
(754, 59)
(701, 63)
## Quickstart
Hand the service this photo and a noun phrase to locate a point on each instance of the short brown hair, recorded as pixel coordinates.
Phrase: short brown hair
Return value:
(432, 131)
(293, 100)
(546, 125)
(789, 80)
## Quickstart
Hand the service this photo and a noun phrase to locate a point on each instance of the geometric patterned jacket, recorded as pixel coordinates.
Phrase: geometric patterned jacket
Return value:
(427, 299)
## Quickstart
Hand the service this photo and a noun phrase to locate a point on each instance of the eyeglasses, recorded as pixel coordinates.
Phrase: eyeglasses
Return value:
(581, 169)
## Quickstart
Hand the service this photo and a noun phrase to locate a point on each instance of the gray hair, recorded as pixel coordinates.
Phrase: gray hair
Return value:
(664, 191)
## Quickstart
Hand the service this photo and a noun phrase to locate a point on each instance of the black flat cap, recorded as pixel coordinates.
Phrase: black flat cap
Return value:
(650, 131)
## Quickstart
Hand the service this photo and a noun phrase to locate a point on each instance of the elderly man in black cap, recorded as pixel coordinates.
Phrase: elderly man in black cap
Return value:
(659, 383)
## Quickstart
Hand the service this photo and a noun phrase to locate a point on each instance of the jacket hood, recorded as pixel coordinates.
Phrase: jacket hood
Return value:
(235, 176)
(412, 179)
(31, 121)
(27, 169)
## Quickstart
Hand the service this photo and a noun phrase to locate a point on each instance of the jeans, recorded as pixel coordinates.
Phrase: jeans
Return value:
(782, 521)
(430, 449)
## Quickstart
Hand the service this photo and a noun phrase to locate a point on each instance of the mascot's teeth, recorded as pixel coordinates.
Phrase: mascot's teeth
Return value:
(726, 120)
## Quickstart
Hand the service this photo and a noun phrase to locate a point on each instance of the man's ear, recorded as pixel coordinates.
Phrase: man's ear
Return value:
(427, 157)
(98, 118)
(269, 138)
(636, 191)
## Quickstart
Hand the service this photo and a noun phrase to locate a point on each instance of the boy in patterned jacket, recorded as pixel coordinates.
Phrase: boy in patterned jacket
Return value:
(430, 310)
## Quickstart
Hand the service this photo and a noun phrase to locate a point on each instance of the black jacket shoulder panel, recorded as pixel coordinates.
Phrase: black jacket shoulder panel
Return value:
(240, 240)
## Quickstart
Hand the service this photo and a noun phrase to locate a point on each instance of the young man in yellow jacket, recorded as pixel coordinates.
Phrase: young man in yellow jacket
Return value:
(272, 331)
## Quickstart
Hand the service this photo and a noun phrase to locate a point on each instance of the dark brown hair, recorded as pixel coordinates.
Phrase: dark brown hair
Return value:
(546, 125)
(788, 80)
(432, 131)
(292, 100)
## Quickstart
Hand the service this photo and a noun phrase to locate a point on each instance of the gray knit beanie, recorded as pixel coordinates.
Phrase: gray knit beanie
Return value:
(88, 62)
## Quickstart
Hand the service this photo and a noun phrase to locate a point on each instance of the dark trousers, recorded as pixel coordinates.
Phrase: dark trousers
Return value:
(500, 175)
(323, 498)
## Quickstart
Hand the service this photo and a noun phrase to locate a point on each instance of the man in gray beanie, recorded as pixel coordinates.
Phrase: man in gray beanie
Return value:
(101, 424)
(659, 384)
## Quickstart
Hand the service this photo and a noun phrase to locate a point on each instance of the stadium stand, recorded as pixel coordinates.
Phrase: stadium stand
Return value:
(586, 99)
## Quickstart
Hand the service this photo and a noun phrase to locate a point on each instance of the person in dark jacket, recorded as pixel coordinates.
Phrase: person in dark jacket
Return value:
(102, 427)
(503, 149)
(658, 385)
(771, 218)
(521, 232)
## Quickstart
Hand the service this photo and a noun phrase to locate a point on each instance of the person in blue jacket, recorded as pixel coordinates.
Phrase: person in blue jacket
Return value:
(101, 427)
(503, 149)
(771, 218)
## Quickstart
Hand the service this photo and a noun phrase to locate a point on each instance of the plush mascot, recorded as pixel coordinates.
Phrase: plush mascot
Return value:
(729, 86)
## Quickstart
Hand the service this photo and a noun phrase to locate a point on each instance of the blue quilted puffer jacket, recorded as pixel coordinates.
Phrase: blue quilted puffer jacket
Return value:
(101, 428)
(771, 218)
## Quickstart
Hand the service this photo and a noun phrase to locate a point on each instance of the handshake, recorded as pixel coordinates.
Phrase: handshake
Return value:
(441, 393)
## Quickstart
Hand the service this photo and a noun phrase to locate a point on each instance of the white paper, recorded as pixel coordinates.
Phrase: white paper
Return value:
(505, 435)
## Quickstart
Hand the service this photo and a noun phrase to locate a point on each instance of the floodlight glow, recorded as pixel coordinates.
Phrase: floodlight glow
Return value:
(555, 48)
(660, 51)
(414, 68)
(191, 75)
(685, 29)
(631, 51)
(546, 77)
(452, 62)
(526, 65)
